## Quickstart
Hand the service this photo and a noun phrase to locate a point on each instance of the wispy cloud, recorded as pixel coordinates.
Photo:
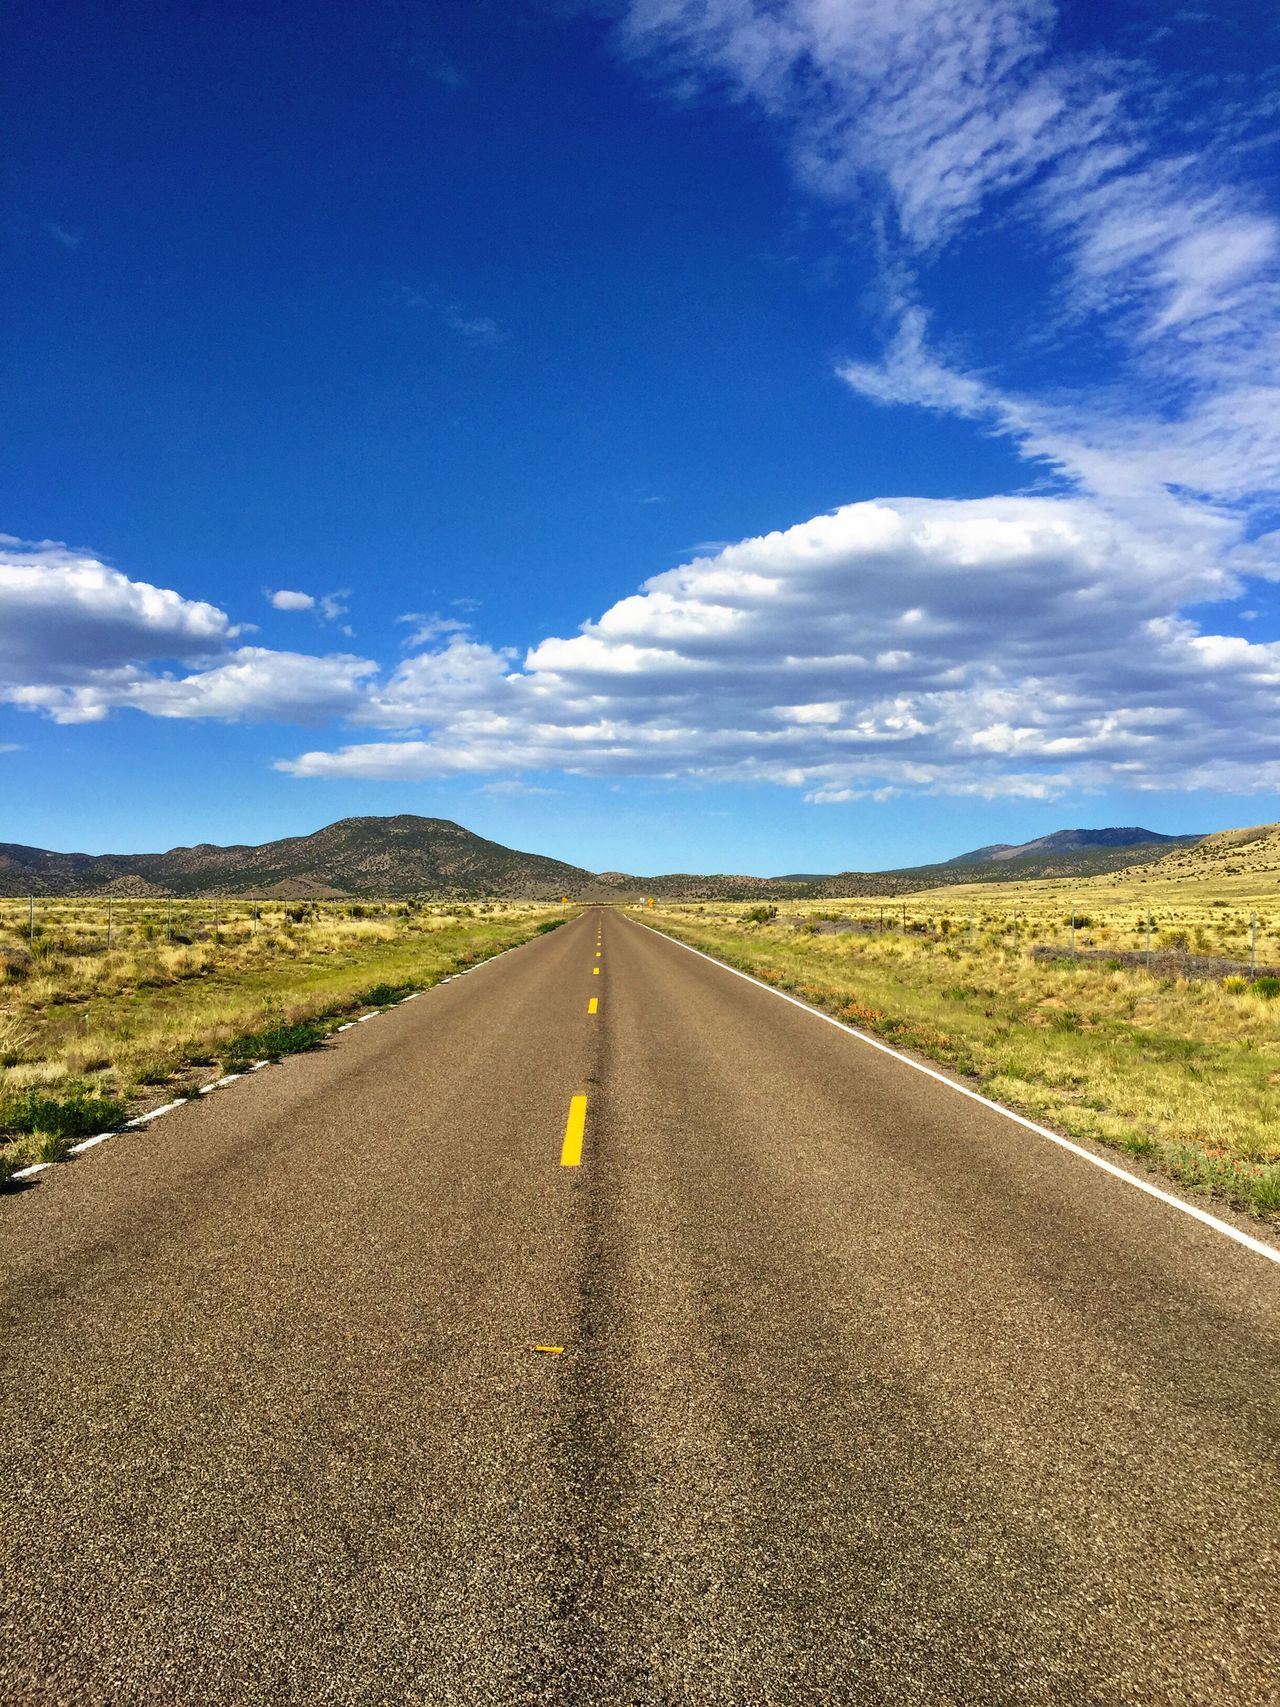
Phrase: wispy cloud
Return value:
(428, 626)
(940, 116)
(60, 234)
(475, 328)
(512, 788)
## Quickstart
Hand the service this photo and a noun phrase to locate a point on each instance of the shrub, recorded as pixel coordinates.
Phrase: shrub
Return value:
(382, 995)
(549, 925)
(76, 1116)
(1268, 987)
(1235, 986)
(280, 1038)
(762, 915)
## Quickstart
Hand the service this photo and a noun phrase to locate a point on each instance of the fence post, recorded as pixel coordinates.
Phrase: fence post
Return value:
(168, 925)
(904, 917)
(217, 918)
(1073, 933)
(1253, 945)
(109, 902)
(31, 918)
(1148, 940)
(971, 927)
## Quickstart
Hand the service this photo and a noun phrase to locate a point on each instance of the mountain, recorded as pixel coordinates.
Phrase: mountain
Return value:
(357, 856)
(1067, 841)
(407, 855)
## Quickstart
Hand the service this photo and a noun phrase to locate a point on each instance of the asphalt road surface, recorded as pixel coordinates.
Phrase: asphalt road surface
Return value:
(866, 1394)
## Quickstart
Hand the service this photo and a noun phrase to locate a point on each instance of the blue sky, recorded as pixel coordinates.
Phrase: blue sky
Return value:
(682, 434)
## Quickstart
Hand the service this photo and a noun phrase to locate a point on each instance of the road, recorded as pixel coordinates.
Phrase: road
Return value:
(866, 1394)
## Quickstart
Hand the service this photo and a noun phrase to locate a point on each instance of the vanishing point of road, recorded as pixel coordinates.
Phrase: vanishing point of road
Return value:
(853, 1391)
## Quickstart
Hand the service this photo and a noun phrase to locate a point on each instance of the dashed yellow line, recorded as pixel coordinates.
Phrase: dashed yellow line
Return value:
(595, 971)
(593, 1005)
(571, 1149)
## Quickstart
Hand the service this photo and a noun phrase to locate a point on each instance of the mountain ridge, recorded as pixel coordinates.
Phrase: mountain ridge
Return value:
(404, 854)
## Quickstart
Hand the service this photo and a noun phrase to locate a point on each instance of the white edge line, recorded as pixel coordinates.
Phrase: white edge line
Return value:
(154, 1113)
(230, 1078)
(88, 1143)
(1196, 1213)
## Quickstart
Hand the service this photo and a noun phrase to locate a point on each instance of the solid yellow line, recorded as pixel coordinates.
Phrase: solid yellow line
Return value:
(593, 1004)
(571, 1149)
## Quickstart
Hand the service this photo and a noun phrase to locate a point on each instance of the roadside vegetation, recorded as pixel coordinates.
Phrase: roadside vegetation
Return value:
(100, 1020)
(1180, 1070)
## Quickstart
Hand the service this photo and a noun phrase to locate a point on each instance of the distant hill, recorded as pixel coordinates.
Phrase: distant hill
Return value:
(1070, 841)
(406, 855)
(1230, 854)
(390, 857)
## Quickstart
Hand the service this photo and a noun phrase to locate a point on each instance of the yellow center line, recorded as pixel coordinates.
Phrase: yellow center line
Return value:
(593, 1005)
(595, 971)
(571, 1149)
(555, 1350)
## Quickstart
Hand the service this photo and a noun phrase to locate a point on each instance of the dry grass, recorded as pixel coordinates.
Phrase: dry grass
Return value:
(1183, 1072)
(84, 1026)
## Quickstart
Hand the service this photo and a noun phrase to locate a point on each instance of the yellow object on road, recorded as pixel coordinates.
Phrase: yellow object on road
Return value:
(571, 1149)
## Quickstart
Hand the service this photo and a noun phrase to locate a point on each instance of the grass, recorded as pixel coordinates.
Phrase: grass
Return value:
(91, 1033)
(1184, 1073)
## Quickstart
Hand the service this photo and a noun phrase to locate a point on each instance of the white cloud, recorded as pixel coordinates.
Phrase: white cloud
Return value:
(512, 788)
(938, 115)
(474, 328)
(977, 647)
(985, 647)
(63, 612)
(253, 684)
(285, 600)
(79, 640)
(429, 626)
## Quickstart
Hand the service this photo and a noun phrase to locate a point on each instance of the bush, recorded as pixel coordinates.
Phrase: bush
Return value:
(548, 925)
(1235, 986)
(762, 915)
(76, 1116)
(382, 995)
(273, 1041)
(1268, 987)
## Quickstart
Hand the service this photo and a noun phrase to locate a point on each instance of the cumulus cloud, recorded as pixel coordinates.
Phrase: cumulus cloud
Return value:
(64, 611)
(285, 600)
(988, 647)
(254, 684)
(79, 639)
